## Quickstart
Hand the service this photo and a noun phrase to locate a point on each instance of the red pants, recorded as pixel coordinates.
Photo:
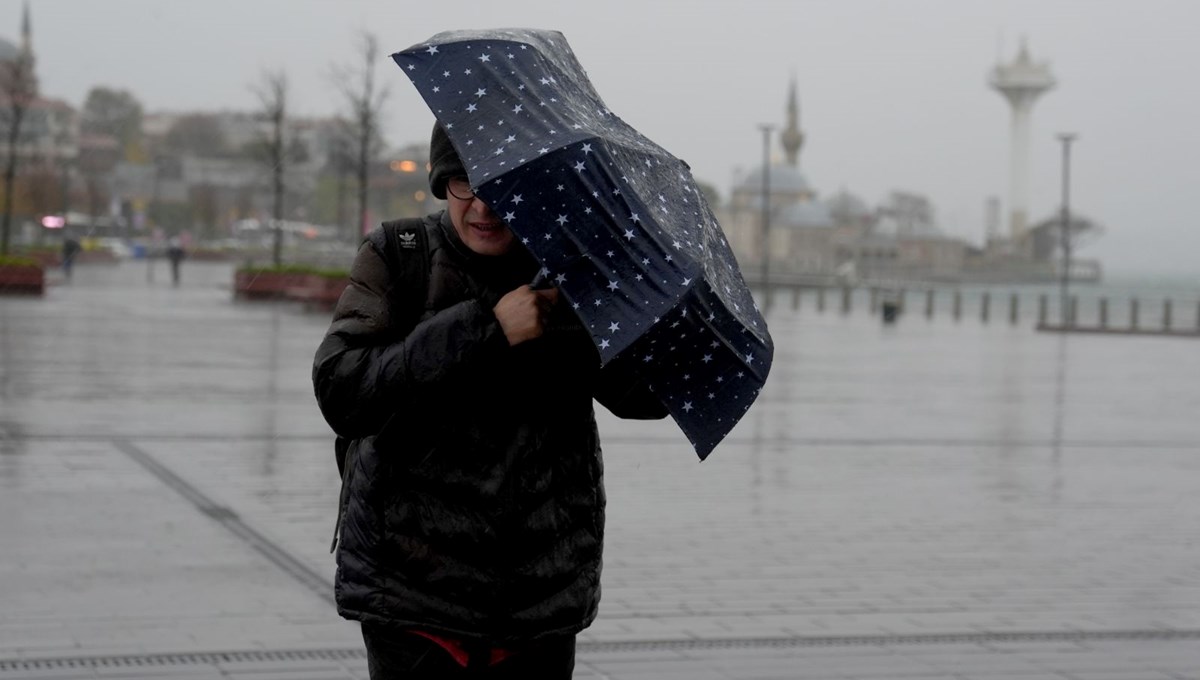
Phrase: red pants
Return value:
(396, 654)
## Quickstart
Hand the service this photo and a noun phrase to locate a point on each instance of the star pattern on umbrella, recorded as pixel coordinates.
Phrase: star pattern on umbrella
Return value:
(618, 223)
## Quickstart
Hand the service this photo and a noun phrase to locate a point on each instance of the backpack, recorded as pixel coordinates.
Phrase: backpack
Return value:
(404, 245)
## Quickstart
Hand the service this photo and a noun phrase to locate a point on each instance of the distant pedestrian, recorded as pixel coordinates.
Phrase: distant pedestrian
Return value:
(70, 248)
(175, 254)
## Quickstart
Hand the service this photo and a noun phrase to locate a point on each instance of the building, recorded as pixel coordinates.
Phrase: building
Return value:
(801, 227)
(47, 142)
(842, 238)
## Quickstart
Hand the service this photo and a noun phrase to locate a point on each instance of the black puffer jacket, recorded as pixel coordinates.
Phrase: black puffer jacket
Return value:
(476, 502)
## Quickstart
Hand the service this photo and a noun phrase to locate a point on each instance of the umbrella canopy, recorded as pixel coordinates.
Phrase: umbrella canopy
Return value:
(618, 223)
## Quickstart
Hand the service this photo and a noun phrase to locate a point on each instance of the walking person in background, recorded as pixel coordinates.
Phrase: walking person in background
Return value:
(175, 254)
(70, 249)
(470, 544)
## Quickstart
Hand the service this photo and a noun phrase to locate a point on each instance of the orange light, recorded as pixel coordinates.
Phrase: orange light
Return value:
(403, 166)
(419, 196)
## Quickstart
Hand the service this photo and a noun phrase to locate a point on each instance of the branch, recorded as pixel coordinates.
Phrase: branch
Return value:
(363, 95)
(272, 91)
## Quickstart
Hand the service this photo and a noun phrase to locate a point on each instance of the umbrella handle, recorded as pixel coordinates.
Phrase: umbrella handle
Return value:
(541, 281)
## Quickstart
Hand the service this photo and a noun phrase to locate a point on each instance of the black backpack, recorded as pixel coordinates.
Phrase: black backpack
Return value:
(404, 245)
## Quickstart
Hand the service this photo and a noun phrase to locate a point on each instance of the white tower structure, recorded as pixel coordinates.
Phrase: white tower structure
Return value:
(1021, 82)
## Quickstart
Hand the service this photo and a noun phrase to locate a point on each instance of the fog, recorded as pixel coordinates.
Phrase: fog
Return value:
(893, 95)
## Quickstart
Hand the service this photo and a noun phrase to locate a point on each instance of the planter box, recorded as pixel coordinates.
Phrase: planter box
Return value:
(22, 279)
(320, 292)
(324, 291)
(266, 285)
(48, 258)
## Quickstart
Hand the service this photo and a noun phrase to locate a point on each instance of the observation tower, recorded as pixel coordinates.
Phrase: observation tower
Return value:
(1021, 82)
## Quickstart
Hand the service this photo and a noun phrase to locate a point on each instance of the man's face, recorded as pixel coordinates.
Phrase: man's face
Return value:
(478, 227)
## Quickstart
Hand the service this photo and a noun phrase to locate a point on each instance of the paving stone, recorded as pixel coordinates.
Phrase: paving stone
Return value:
(937, 479)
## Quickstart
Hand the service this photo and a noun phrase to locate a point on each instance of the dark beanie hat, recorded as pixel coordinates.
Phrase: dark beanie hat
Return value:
(443, 162)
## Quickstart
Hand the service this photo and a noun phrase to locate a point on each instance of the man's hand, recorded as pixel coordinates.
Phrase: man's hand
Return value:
(522, 313)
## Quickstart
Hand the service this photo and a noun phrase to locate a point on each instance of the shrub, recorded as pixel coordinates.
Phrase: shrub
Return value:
(18, 261)
(324, 272)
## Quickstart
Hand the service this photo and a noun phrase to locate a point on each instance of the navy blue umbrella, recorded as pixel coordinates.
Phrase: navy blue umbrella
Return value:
(618, 223)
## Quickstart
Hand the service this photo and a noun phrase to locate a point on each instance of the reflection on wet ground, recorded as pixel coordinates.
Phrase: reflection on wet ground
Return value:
(936, 499)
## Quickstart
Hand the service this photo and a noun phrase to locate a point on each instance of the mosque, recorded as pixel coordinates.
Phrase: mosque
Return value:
(49, 133)
(839, 238)
(10, 53)
(811, 240)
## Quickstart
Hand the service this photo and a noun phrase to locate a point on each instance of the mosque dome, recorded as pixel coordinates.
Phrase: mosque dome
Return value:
(8, 51)
(784, 180)
(806, 215)
(848, 208)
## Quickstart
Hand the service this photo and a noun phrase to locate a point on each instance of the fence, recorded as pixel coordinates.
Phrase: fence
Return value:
(1129, 311)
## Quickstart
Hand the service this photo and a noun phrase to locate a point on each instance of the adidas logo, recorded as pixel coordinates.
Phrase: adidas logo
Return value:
(408, 240)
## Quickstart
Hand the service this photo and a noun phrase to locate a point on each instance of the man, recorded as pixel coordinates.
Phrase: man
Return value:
(175, 254)
(70, 249)
(471, 539)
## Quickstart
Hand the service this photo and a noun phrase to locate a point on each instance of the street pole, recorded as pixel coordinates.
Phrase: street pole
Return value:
(152, 224)
(766, 215)
(1065, 284)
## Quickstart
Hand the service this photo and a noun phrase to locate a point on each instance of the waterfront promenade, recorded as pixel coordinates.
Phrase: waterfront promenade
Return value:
(932, 500)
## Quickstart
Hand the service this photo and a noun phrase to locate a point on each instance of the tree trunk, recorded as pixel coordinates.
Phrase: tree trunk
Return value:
(340, 198)
(364, 173)
(10, 176)
(277, 209)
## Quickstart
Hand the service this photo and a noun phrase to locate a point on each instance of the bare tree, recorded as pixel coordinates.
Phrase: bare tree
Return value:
(365, 99)
(272, 148)
(339, 159)
(17, 92)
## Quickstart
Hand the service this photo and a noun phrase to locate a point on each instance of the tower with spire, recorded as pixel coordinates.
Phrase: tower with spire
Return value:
(19, 59)
(1021, 82)
(26, 31)
(792, 138)
(27, 46)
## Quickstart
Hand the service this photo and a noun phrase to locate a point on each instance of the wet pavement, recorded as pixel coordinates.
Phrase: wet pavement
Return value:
(930, 500)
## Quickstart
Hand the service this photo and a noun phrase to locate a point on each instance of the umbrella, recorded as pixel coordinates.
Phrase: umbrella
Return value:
(618, 224)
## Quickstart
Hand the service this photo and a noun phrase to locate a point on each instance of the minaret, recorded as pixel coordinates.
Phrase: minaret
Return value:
(791, 137)
(27, 34)
(26, 55)
(26, 31)
(1021, 82)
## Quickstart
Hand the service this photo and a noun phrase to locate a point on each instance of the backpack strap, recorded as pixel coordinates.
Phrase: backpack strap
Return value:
(404, 245)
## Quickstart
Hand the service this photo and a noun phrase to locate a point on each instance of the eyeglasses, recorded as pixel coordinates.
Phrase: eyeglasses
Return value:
(460, 188)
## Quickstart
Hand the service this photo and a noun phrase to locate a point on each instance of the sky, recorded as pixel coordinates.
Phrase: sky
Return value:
(893, 93)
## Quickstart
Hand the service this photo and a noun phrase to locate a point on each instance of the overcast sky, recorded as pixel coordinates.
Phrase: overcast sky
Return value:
(893, 93)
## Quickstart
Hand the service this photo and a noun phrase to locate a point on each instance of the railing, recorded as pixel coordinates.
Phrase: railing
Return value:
(1128, 313)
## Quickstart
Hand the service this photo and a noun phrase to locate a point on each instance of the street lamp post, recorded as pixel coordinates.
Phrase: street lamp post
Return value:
(1065, 283)
(156, 212)
(766, 214)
